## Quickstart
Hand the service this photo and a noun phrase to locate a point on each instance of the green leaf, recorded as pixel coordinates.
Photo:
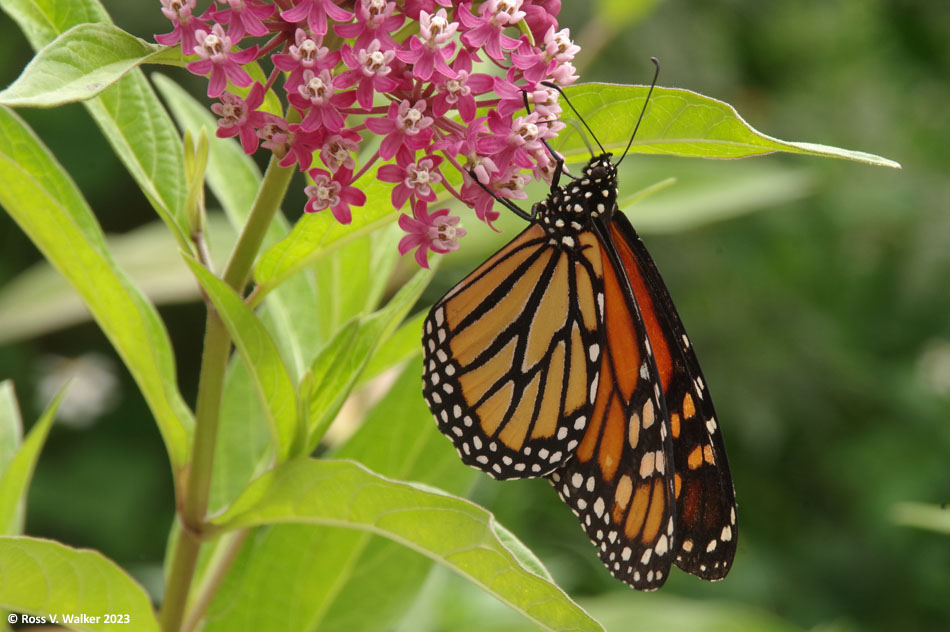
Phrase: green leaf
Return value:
(449, 530)
(45, 203)
(39, 300)
(77, 65)
(337, 369)
(11, 424)
(307, 577)
(128, 113)
(315, 235)
(677, 123)
(15, 479)
(923, 516)
(405, 343)
(45, 578)
(260, 356)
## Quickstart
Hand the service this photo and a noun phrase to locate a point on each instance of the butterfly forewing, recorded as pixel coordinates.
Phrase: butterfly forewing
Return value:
(706, 528)
(508, 355)
(620, 482)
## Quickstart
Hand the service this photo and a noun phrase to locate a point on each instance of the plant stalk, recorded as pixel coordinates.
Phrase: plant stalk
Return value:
(214, 362)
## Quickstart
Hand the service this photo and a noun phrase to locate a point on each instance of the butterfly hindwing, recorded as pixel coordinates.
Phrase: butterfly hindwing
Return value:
(620, 482)
(507, 355)
(706, 528)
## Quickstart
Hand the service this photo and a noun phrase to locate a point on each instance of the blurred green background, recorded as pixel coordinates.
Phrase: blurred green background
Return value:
(814, 290)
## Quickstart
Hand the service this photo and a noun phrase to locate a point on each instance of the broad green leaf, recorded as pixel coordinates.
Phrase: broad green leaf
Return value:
(128, 113)
(923, 516)
(46, 578)
(39, 300)
(405, 343)
(260, 355)
(449, 530)
(335, 372)
(677, 123)
(315, 235)
(11, 424)
(307, 577)
(15, 478)
(39, 196)
(77, 65)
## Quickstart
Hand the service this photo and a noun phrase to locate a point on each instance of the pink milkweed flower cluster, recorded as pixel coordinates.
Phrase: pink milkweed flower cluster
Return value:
(392, 84)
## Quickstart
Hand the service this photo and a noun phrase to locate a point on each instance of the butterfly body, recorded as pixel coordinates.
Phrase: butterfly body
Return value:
(562, 356)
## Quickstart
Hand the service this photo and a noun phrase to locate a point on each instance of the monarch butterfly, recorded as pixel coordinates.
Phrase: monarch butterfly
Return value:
(563, 356)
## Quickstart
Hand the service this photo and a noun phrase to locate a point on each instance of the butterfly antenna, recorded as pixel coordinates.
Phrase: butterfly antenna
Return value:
(656, 74)
(554, 86)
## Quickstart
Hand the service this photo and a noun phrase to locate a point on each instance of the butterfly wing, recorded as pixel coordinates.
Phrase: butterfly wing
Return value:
(706, 529)
(620, 482)
(509, 354)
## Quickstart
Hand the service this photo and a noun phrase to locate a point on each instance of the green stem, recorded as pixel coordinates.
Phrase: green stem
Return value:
(214, 363)
(272, 192)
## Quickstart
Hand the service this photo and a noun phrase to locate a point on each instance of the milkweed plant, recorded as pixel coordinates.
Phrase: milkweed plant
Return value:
(405, 120)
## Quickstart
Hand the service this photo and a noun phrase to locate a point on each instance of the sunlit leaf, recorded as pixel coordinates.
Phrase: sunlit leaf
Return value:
(677, 123)
(44, 202)
(45, 578)
(923, 516)
(260, 355)
(450, 530)
(77, 65)
(15, 478)
(128, 113)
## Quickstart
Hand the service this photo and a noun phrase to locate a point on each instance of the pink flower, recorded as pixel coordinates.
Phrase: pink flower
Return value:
(240, 116)
(406, 128)
(338, 150)
(216, 58)
(315, 12)
(374, 20)
(459, 93)
(296, 145)
(537, 63)
(369, 68)
(186, 25)
(512, 96)
(333, 192)
(428, 51)
(414, 178)
(508, 185)
(318, 98)
(307, 53)
(540, 16)
(244, 16)
(515, 141)
(486, 31)
(438, 232)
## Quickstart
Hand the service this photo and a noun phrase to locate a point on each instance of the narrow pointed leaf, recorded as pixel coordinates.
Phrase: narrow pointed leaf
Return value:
(11, 424)
(42, 577)
(15, 478)
(260, 355)
(677, 123)
(42, 199)
(450, 530)
(336, 370)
